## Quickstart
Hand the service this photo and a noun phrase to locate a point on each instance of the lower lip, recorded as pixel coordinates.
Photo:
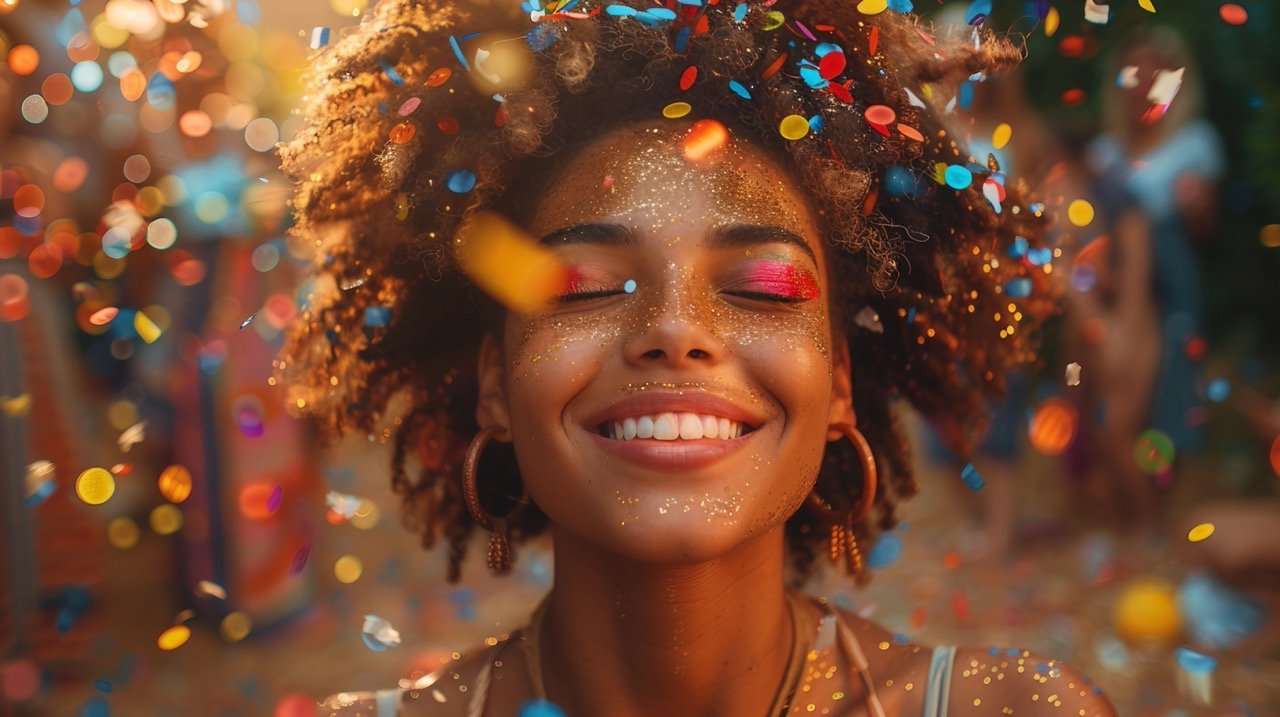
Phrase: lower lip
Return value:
(674, 455)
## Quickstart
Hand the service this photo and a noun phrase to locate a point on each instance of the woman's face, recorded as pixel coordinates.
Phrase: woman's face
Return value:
(676, 400)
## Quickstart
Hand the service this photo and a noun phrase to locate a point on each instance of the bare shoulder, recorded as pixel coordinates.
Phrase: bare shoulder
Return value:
(446, 692)
(987, 681)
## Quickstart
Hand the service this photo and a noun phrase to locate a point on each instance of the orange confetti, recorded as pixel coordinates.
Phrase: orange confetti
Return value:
(1053, 426)
(439, 77)
(704, 138)
(910, 132)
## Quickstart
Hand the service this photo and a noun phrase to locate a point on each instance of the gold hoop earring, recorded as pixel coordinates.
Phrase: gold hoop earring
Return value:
(840, 522)
(500, 557)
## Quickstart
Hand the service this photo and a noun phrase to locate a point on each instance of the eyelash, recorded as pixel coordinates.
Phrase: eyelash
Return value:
(753, 295)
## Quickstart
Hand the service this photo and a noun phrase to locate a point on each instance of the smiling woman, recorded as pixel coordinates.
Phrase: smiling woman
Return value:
(706, 389)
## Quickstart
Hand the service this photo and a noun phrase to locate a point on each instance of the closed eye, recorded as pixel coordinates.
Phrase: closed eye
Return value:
(766, 296)
(587, 295)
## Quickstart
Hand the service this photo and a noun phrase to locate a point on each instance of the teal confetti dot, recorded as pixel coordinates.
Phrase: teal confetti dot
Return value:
(461, 181)
(629, 286)
(958, 177)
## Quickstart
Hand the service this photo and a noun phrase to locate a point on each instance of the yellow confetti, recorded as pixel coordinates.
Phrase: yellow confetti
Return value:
(95, 486)
(1080, 212)
(367, 515)
(793, 127)
(17, 406)
(1146, 5)
(676, 110)
(348, 569)
(873, 7)
(166, 519)
(235, 626)
(175, 484)
(1001, 136)
(509, 264)
(123, 533)
(1051, 21)
(1200, 532)
(174, 637)
(145, 327)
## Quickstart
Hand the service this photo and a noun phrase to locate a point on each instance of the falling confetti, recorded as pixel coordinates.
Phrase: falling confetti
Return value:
(1073, 374)
(173, 638)
(971, 478)
(1080, 212)
(510, 265)
(1200, 532)
(1153, 452)
(175, 484)
(703, 139)
(95, 486)
(378, 634)
(1053, 427)
(132, 436)
(210, 589)
(235, 627)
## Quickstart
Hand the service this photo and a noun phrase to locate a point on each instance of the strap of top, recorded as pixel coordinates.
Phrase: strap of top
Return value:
(938, 686)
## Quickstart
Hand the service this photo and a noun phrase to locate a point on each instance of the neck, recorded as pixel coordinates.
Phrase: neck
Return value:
(622, 637)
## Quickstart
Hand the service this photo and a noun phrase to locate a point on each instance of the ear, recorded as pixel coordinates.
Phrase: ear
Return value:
(840, 409)
(493, 408)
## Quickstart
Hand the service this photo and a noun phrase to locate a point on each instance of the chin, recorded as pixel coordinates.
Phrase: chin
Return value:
(678, 537)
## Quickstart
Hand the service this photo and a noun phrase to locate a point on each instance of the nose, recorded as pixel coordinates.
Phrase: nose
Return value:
(676, 334)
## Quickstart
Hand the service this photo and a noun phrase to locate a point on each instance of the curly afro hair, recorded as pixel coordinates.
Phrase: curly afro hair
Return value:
(932, 286)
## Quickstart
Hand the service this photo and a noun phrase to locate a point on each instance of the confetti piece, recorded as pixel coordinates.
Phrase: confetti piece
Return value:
(235, 627)
(738, 89)
(882, 115)
(1095, 13)
(300, 557)
(95, 486)
(147, 329)
(1233, 14)
(1080, 213)
(540, 708)
(872, 7)
(972, 478)
(688, 77)
(378, 634)
(1146, 5)
(343, 504)
(1270, 236)
(348, 569)
(1051, 21)
(403, 133)
(868, 319)
(1153, 452)
(319, 37)
(676, 110)
(248, 320)
(1200, 532)
(958, 177)
(173, 638)
(460, 181)
(1053, 427)
(703, 138)
(793, 127)
(1001, 136)
(886, 552)
(1218, 390)
(210, 589)
(510, 265)
(1073, 374)
(629, 286)
(910, 132)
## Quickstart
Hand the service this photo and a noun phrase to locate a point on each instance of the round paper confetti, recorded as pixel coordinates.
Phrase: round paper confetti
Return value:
(174, 484)
(1270, 236)
(1001, 136)
(174, 637)
(1233, 14)
(1200, 532)
(958, 177)
(348, 569)
(1153, 452)
(461, 181)
(872, 7)
(793, 127)
(882, 115)
(235, 626)
(123, 533)
(676, 110)
(95, 486)
(1080, 212)
(439, 77)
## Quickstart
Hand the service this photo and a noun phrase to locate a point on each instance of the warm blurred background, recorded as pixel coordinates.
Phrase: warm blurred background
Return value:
(172, 543)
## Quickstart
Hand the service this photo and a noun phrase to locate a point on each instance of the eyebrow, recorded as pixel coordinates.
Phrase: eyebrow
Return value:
(730, 236)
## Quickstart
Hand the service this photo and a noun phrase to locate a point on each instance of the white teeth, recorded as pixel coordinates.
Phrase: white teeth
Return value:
(673, 426)
(710, 427)
(666, 427)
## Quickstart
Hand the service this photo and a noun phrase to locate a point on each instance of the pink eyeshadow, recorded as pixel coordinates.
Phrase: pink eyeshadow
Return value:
(782, 279)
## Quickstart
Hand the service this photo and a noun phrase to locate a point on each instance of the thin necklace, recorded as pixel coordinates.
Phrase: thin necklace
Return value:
(531, 641)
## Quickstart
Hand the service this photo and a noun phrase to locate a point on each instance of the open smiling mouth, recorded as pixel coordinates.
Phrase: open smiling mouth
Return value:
(673, 426)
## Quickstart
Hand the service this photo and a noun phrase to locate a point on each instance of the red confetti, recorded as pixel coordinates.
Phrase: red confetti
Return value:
(869, 205)
(831, 65)
(1233, 14)
(1073, 97)
(774, 66)
(688, 77)
(439, 77)
(448, 124)
(873, 41)
(840, 91)
(403, 133)
(880, 115)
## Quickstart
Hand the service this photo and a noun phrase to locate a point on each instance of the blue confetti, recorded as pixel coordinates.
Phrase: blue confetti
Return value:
(902, 6)
(540, 708)
(740, 12)
(958, 177)
(1040, 256)
(377, 316)
(972, 478)
(457, 52)
(899, 182)
(319, 37)
(103, 686)
(620, 11)
(542, 36)
(1219, 389)
(1019, 288)
(1018, 248)
(461, 181)
(977, 12)
(629, 286)
(887, 551)
(966, 95)
(739, 89)
(825, 48)
(391, 73)
(1195, 662)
